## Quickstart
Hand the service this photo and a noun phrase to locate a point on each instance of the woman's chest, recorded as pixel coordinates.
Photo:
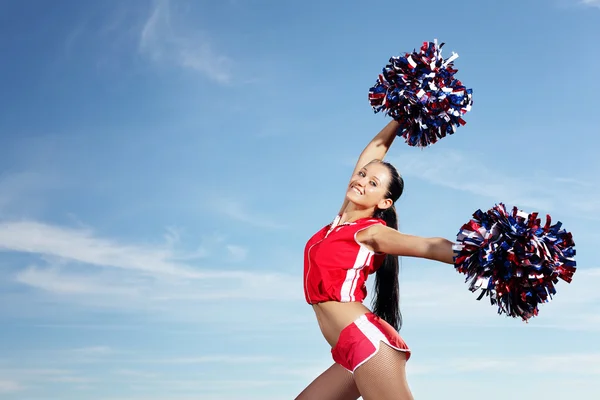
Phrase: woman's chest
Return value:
(333, 253)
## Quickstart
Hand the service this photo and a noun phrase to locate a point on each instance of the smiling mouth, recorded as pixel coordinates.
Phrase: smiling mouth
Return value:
(356, 190)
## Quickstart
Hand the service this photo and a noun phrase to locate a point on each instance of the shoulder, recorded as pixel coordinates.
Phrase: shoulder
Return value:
(368, 222)
(370, 229)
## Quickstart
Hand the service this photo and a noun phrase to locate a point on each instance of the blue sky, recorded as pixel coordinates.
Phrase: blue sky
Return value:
(163, 163)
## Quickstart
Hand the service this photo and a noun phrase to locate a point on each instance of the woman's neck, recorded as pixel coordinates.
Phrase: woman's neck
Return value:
(351, 214)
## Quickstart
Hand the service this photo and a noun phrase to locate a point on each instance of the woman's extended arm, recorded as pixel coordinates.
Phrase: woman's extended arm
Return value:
(375, 150)
(383, 239)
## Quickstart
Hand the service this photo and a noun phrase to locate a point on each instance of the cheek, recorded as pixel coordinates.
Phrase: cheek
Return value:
(373, 191)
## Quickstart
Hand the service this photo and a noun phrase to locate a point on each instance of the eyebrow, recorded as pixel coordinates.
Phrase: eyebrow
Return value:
(374, 177)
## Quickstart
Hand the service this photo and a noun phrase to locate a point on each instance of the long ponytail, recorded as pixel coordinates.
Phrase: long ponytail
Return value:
(386, 298)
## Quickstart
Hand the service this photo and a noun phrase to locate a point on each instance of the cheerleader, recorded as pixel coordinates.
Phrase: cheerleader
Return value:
(368, 352)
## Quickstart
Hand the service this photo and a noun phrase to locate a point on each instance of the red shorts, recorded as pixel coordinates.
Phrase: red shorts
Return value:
(360, 341)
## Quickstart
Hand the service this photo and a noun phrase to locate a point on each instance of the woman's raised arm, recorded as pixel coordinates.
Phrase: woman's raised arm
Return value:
(375, 150)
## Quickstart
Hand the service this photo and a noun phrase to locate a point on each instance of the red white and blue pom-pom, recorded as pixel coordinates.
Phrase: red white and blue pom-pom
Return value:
(514, 259)
(419, 90)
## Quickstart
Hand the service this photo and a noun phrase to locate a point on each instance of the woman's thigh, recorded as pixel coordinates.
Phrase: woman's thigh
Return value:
(336, 383)
(383, 377)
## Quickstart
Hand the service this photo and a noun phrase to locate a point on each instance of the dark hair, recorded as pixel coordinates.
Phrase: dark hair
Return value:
(386, 299)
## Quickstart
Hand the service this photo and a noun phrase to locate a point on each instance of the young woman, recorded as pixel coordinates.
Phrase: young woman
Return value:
(369, 354)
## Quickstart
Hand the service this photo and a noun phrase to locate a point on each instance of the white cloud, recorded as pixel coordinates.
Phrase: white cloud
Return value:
(20, 378)
(237, 253)
(165, 39)
(93, 351)
(70, 379)
(146, 280)
(175, 396)
(457, 171)
(136, 374)
(125, 291)
(123, 356)
(52, 280)
(441, 296)
(471, 173)
(591, 3)
(238, 212)
(156, 375)
(81, 245)
(562, 368)
(83, 270)
(303, 371)
(577, 364)
(591, 272)
(219, 359)
(7, 386)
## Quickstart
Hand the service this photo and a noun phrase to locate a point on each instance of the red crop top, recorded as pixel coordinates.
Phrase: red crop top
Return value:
(336, 266)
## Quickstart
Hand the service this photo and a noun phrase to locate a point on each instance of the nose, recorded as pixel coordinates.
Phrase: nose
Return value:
(362, 180)
(359, 182)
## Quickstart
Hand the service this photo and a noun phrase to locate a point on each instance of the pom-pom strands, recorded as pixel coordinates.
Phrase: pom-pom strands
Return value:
(514, 259)
(419, 91)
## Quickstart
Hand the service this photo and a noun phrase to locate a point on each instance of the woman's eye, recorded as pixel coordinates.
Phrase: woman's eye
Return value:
(361, 174)
(373, 183)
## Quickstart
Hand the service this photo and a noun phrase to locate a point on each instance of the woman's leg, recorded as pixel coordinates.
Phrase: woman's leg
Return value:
(336, 383)
(383, 377)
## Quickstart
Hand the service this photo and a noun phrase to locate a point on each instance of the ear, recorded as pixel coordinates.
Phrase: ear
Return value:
(385, 204)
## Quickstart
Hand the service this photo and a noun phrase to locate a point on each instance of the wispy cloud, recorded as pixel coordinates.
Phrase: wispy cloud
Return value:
(136, 374)
(81, 269)
(126, 291)
(165, 38)
(471, 173)
(591, 3)
(237, 253)
(213, 389)
(175, 396)
(7, 386)
(93, 351)
(155, 373)
(577, 364)
(219, 359)
(84, 246)
(455, 170)
(442, 297)
(306, 371)
(20, 378)
(106, 354)
(235, 210)
(145, 279)
(81, 245)
(54, 281)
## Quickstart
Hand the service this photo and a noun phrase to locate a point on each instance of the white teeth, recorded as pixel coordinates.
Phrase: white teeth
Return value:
(356, 190)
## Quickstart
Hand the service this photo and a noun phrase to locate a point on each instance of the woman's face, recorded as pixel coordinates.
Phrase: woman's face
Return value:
(369, 187)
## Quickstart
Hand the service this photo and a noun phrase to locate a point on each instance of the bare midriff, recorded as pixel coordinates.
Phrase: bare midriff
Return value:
(334, 316)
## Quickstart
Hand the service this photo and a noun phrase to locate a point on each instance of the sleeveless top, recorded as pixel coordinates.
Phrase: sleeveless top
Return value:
(336, 266)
